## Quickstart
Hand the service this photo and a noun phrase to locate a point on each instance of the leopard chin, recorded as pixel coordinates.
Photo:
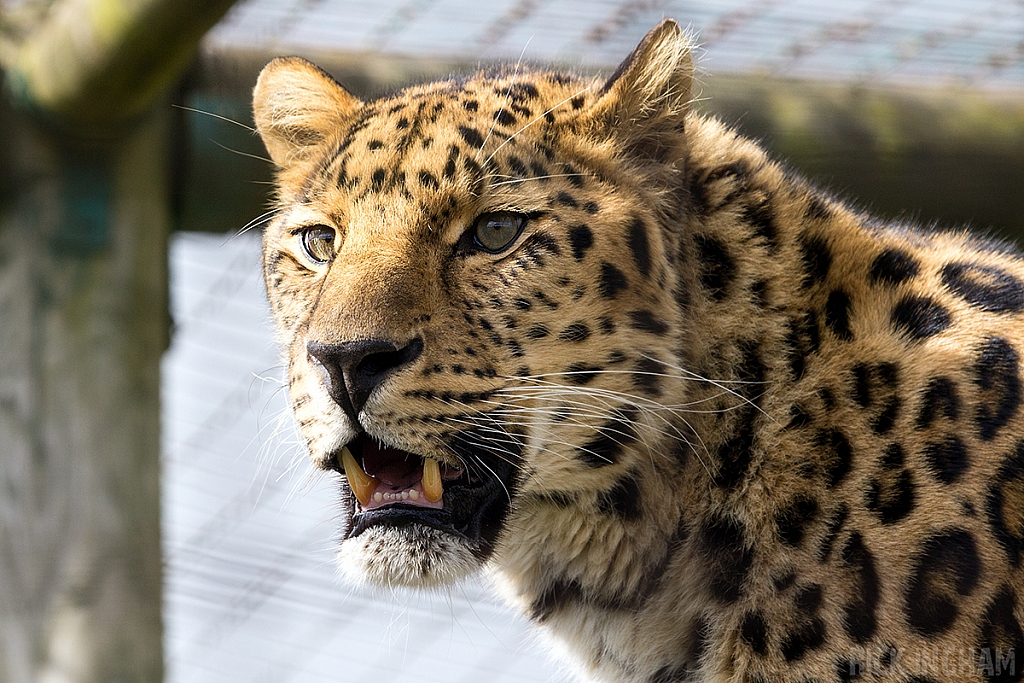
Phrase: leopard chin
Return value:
(409, 556)
(413, 522)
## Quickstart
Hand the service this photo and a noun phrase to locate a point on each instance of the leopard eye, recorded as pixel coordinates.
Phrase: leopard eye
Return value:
(495, 232)
(318, 243)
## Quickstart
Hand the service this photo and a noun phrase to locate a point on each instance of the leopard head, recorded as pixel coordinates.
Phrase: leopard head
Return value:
(475, 282)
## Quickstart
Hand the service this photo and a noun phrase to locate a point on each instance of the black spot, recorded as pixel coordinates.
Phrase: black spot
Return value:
(919, 317)
(577, 102)
(377, 179)
(540, 172)
(646, 321)
(802, 340)
(615, 357)
(947, 459)
(837, 314)
(428, 180)
(537, 331)
(808, 598)
(566, 199)
(835, 524)
(808, 636)
(940, 397)
(754, 632)
(522, 91)
(784, 581)
(471, 105)
(759, 293)
(859, 618)
(891, 495)
(517, 167)
(839, 455)
(647, 376)
(576, 332)
(817, 259)
(998, 376)
(581, 373)
(622, 499)
(580, 239)
(736, 453)
(717, 267)
(762, 219)
(945, 571)
(985, 287)
(606, 325)
(636, 237)
(504, 117)
(374, 145)
(877, 387)
(1005, 505)
(725, 550)
(591, 207)
(792, 520)
(611, 281)
(554, 598)
(605, 446)
(1001, 639)
(471, 136)
(893, 266)
(574, 177)
(799, 417)
(522, 303)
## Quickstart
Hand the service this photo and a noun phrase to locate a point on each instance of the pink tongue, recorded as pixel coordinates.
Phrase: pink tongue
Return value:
(391, 466)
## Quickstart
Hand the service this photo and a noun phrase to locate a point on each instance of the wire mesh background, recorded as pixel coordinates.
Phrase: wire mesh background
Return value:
(979, 43)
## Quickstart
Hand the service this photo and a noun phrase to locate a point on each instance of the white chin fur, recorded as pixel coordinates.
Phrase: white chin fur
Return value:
(410, 557)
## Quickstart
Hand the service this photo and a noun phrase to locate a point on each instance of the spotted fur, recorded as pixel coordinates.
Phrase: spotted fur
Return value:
(742, 431)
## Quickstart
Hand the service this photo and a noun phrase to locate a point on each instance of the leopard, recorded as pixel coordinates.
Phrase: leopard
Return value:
(694, 417)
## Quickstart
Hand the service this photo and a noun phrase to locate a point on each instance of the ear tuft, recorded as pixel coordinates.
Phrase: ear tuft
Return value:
(655, 79)
(297, 106)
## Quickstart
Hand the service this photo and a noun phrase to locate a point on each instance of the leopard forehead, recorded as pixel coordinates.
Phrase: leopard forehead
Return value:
(445, 143)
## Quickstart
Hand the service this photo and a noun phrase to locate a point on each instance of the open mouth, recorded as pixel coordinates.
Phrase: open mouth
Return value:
(396, 488)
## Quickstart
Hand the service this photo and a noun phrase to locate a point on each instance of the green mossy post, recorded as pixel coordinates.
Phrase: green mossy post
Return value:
(85, 209)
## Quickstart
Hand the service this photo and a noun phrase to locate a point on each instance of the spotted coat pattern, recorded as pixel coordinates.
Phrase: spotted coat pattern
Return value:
(754, 434)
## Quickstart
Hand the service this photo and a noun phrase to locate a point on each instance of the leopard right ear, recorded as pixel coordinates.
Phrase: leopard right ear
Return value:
(297, 106)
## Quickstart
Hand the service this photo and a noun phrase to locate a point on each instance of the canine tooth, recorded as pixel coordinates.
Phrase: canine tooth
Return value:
(362, 484)
(432, 487)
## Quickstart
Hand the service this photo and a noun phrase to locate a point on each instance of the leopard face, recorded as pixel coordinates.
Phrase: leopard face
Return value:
(700, 420)
(473, 302)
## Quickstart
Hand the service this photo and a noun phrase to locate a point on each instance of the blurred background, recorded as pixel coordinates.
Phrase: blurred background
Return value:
(158, 521)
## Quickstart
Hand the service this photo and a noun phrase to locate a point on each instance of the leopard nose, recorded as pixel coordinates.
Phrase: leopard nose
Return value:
(356, 368)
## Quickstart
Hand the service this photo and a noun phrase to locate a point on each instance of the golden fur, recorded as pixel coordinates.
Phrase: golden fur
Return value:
(742, 431)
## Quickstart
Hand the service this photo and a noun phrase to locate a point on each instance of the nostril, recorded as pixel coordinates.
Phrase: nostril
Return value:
(356, 368)
(381, 362)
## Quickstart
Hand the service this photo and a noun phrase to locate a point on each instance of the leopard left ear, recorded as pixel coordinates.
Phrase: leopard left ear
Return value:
(652, 85)
(297, 106)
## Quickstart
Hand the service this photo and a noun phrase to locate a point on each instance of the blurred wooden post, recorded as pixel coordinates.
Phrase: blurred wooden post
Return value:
(85, 208)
